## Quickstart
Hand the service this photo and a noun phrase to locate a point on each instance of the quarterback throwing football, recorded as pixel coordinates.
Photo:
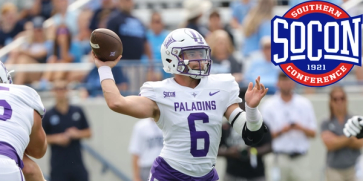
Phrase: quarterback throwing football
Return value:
(188, 108)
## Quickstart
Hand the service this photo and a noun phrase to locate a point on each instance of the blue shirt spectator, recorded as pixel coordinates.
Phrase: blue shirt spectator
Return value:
(267, 70)
(257, 25)
(156, 40)
(263, 67)
(75, 51)
(132, 33)
(296, 2)
(93, 85)
(70, 19)
(101, 14)
(252, 43)
(10, 25)
(240, 9)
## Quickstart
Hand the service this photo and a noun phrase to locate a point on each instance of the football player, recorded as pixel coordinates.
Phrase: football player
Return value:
(21, 131)
(353, 127)
(188, 108)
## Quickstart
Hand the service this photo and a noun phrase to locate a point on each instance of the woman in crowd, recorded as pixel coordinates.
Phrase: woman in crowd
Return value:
(343, 152)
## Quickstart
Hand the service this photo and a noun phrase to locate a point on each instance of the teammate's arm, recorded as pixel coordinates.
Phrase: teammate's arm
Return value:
(38, 143)
(136, 168)
(135, 106)
(31, 170)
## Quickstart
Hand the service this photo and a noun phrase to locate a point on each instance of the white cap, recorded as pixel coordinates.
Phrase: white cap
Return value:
(266, 40)
(195, 8)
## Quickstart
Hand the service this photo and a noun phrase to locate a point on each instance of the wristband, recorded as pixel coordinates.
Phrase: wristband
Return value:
(252, 114)
(254, 118)
(105, 73)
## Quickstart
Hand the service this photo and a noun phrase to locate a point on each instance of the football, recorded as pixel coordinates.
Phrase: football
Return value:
(106, 44)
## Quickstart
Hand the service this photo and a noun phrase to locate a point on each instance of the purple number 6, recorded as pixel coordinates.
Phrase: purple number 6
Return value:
(7, 108)
(195, 135)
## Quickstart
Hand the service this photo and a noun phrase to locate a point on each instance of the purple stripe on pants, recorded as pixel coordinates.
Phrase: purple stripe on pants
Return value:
(7, 150)
(162, 171)
(21, 174)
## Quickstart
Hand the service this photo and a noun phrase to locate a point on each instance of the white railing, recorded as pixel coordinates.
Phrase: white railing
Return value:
(50, 67)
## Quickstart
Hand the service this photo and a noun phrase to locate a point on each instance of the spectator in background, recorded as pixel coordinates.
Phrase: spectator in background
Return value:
(84, 33)
(240, 9)
(93, 5)
(93, 86)
(291, 127)
(42, 8)
(257, 25)
(195, 10)
(145, 145)
(222, 55)
(11, 25)
(66, 125)
(358, 73)
(155, 36)
(63, 16)
(264, 68)
(215, 23)
(32, 52)
(101, 14)
(130, 30)
(343, 152)
(243, 162)
(24, 7)
(63, 51)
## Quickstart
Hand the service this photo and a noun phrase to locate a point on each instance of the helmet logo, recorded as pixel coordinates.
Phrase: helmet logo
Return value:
(196, 36)
(169, 40)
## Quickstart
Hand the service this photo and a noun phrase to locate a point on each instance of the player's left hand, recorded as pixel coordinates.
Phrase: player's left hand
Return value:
(254, 94)
(353, 126)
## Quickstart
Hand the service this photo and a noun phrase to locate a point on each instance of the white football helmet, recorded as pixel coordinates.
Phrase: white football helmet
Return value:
(5, 77)
(185, 52)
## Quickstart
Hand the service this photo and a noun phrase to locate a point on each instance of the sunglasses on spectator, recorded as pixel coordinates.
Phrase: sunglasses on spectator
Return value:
(156, 21)
(267, 47)
(60, 88)
(336, 99)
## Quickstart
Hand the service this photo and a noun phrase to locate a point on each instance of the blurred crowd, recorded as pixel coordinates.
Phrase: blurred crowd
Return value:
(241, 45)
(56, 33)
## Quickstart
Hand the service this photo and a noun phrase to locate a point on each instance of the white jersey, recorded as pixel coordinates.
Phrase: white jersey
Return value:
(17, 105)
(146, 142)
(191, 120)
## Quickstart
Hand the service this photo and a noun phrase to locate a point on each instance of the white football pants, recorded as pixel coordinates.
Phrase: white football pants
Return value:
(9, 170)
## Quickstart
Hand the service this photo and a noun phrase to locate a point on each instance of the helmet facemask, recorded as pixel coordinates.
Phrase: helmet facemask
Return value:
(5, 76)
(194, 62)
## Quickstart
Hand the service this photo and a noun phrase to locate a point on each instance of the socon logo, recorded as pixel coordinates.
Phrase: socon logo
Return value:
(316, 43)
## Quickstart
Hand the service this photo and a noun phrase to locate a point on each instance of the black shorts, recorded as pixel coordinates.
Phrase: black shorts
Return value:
(79, 174)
